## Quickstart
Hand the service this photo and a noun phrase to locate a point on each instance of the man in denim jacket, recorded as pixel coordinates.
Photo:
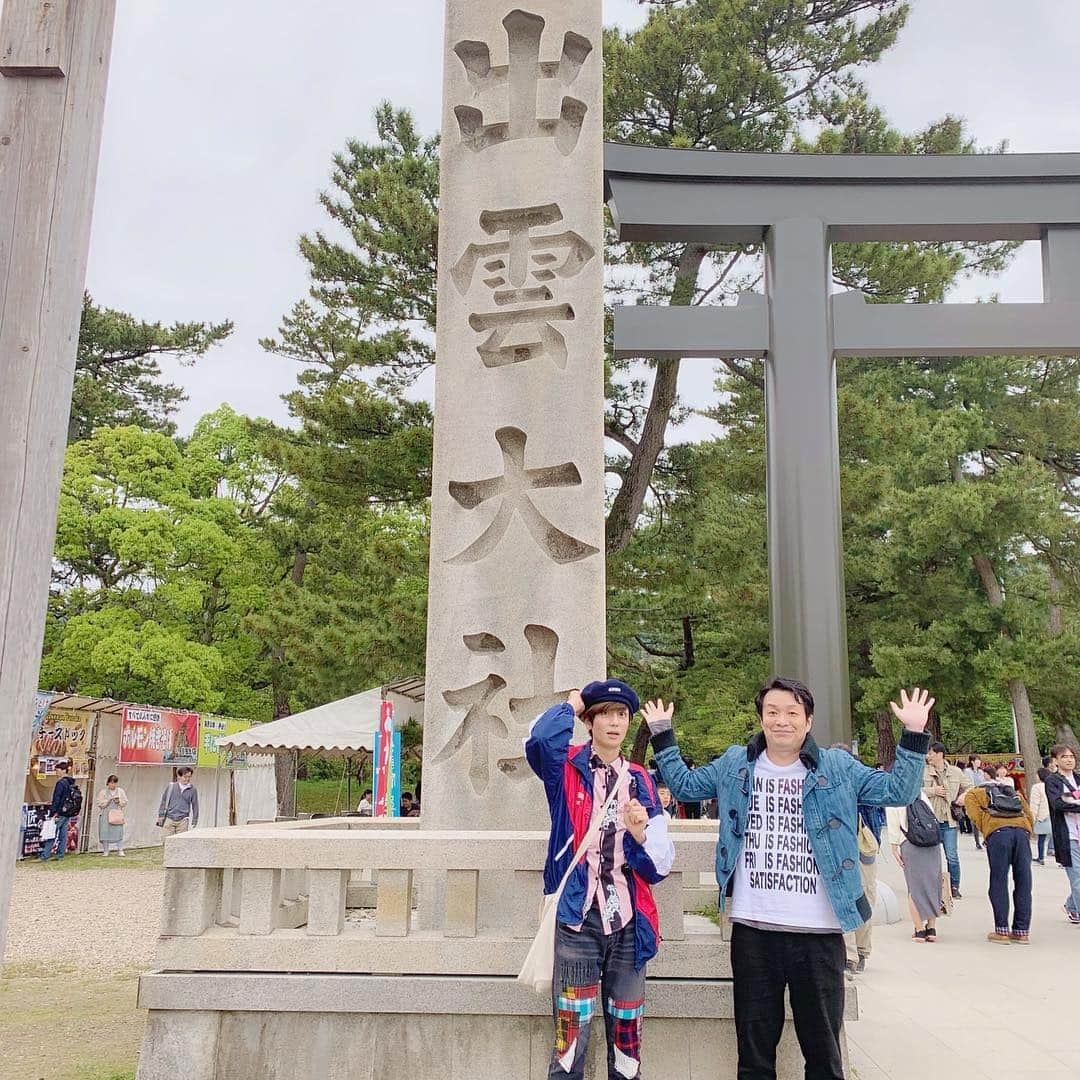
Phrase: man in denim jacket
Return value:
(787, 857)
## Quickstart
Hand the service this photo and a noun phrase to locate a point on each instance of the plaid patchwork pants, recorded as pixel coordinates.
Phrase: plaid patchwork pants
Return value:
(594, 971)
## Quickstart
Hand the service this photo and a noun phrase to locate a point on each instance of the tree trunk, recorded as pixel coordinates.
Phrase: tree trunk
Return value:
(284, 764)
(626, 507)
(886, 738)
(641, 744)
(1018, 694)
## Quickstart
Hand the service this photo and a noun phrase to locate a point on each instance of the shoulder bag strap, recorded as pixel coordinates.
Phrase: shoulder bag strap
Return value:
(592, 832)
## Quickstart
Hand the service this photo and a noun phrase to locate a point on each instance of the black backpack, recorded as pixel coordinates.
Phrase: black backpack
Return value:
(1003, 801)
(923, 828)
(72, 804)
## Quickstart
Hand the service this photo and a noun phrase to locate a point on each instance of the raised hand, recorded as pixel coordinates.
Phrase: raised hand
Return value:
(657, 716)
(576, 702)
(914, 710)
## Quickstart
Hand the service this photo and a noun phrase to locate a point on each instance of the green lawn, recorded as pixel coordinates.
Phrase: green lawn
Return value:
(320, 796)
(134, 859)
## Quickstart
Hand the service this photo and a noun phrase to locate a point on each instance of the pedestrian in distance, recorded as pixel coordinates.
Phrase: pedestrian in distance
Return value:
(1040, 809)
(111, 802)
(1002, 815)
(607, 925)
(975, 776)
(179, 808)
(915, 837)
(365, 806)
(945, 785)
(1063, 796)
(66, 804)
(860, 943)
(787, 863)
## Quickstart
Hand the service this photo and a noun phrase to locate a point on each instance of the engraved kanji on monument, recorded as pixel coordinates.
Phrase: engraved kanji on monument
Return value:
(525, 94)
(516, 599)
(521, 272)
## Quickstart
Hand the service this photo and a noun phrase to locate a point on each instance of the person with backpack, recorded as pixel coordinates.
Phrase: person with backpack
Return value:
(945, 786)
(1002, 815)
(66, 804)
(915, 836)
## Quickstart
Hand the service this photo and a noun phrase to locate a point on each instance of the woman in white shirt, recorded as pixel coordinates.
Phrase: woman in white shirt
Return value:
(1040, 809)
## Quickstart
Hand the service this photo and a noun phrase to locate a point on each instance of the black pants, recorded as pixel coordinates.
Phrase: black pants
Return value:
(1009, 848)
(811, 967)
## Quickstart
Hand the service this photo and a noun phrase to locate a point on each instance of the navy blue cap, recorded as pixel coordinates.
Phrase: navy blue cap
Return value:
(596, 693)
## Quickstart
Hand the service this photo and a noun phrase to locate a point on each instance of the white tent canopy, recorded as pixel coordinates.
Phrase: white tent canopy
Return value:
(339, 728)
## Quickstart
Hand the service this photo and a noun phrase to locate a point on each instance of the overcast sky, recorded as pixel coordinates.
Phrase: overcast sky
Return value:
(222, 119)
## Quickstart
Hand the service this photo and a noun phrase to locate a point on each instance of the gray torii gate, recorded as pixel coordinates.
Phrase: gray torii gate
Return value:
(797, 206)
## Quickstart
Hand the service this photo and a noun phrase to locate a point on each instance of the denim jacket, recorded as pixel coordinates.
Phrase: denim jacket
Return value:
(836, 783)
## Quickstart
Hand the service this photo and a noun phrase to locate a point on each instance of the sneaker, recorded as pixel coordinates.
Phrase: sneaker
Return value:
(956, 894)
(860, 967)
(1000, 938)
(1074, 917)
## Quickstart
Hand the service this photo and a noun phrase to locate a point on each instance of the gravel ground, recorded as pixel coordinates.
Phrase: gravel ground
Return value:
(92, 919)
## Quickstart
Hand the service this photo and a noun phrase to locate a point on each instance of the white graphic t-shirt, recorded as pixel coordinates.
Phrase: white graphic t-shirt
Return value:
(777, 881)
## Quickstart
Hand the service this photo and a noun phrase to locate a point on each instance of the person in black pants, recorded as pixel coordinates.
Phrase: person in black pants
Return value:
(1008, 847)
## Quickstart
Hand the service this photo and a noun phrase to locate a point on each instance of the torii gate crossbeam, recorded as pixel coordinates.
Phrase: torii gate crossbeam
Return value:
(797, 206)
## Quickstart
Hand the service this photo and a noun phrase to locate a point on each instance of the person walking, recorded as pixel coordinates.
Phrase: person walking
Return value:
(111, 802)
(787, 863)
(974, 775)
(1002, 815)
(859, 943)
(66, 804)
(607, 924)
(945, 785)
(179, 807)
(1040, 809)
(1063, 796)
(915, 838)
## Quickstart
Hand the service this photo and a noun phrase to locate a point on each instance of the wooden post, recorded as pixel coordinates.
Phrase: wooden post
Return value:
(51, 109)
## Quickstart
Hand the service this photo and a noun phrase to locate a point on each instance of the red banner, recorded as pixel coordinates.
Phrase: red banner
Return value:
(158, 737)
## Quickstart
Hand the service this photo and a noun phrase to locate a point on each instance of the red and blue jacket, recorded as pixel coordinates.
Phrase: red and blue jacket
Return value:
(568, 782)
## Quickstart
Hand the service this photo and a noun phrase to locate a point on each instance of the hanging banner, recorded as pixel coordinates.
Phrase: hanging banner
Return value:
(212, 728)
(42, 701)
(387, 765)
(62, 735)
(158, 737)
(33, 817)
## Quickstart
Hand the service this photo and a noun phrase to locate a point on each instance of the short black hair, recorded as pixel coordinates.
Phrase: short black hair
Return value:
(938, 747)
(792, 686)
(1046, 761)
(366, 791)
(1043, 774)
(63, 765)
(407, 795)
(185, 770)
(111, 778)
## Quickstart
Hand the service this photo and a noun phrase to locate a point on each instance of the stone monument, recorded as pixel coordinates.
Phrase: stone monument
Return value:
(516, 596)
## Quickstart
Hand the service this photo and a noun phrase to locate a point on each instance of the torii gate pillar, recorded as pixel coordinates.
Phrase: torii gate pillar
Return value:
(54, 59)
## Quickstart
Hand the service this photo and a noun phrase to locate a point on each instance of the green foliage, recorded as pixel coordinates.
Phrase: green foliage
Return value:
(118, 372)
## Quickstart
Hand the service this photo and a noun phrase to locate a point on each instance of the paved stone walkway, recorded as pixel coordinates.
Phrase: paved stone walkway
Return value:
(967, 1009)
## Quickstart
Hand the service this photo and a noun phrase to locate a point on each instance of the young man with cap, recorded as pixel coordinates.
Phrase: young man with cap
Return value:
(607, 920)
(787, 857)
